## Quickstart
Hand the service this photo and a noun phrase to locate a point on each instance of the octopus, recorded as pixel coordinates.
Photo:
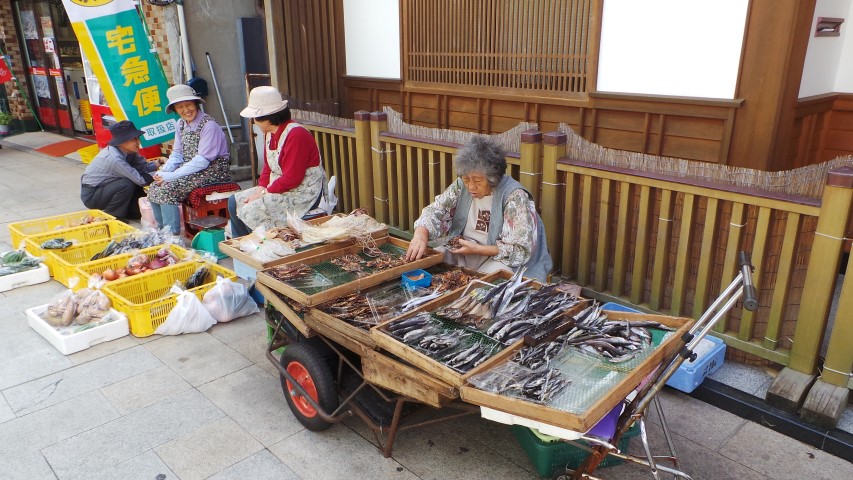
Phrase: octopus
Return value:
(385, 262)
(285, 234)
(453, 243)
(451, 280)
(354, 309)
(349, 263)
(286, 273)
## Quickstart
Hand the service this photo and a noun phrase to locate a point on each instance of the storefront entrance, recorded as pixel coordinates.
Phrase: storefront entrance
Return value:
(53, 64)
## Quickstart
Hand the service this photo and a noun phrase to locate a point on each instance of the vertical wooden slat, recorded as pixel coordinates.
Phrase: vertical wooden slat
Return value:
(347, 146)
(641, 245)
(736, 228)
(703, 275)
(602, 255)
(586, 233)
(620, 262)
(659, 269)
(379, 123)
(685, 240)
(783, 281)
(413, 185)
(570, 226)
(762, 229)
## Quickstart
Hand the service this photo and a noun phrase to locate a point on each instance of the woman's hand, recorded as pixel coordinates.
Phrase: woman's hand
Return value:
(468, 247)
(157, 179)
(418, 245)
(160, 160)
(258, 193)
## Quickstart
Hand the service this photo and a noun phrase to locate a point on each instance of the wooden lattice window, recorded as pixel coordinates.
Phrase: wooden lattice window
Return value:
(543, 46)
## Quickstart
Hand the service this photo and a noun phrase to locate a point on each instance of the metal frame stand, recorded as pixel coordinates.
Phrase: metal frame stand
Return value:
(637, 409)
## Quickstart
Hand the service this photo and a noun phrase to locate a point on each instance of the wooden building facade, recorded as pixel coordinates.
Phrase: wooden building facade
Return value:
(486, 65)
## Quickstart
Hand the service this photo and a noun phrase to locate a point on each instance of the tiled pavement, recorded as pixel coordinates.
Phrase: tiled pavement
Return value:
(209, 405)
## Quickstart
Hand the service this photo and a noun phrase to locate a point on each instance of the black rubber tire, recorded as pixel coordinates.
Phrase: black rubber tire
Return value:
(320, 374)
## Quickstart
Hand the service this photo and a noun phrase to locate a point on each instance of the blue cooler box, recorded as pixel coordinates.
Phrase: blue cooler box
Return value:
(711, 352)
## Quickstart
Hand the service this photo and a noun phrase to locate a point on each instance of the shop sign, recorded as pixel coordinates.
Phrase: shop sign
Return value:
(5, 71)
(129, 73)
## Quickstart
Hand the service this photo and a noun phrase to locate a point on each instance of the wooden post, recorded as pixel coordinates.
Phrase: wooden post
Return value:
(531, 163)
(828, 397)
(789, 389)
(379, 123)
(364, 160)
(554, 149)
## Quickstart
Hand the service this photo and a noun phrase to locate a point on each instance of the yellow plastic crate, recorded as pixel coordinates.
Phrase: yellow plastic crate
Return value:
(19, 230)
(86, 270)
(146, 300)
(62, 263)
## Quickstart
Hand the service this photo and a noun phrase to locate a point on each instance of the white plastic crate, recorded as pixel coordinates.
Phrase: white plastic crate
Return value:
(23, 279)
(75, 342)
(244, 271)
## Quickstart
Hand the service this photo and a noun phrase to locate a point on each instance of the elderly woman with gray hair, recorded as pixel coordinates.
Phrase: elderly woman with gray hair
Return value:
(491, 212)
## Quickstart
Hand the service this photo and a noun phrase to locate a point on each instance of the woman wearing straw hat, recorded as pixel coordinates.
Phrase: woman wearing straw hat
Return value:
(292, 178)
(199, 157)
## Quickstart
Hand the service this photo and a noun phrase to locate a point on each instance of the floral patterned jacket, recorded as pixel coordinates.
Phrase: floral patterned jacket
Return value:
(518, 235)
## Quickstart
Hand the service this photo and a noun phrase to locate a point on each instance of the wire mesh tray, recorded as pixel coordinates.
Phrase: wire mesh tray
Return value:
(343, 282)
(595, 385)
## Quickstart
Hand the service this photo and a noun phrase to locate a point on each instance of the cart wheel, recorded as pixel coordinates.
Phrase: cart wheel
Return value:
(310, 370)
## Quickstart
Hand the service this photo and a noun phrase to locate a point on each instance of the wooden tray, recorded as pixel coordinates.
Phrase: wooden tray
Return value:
(349, 335)
(431, 257)
(560, 418)
(232, 248)
(397, 377)
(389, 343)
(279, 302)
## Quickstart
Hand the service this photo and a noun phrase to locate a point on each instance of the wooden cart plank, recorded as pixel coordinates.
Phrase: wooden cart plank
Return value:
(278, 302)
(397, 377)
(584, 421)
(325, 323)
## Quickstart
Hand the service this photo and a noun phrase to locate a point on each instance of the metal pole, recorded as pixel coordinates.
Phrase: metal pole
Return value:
(219, 96)
(185, 43)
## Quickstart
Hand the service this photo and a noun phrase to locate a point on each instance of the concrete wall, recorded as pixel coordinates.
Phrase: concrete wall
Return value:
(828, 67)
(212, 27)
(671, 47)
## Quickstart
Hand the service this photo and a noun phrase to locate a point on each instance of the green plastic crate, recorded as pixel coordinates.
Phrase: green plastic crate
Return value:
(551, 457)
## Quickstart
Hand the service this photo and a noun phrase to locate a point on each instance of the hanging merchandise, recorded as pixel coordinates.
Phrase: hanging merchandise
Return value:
(129, 73)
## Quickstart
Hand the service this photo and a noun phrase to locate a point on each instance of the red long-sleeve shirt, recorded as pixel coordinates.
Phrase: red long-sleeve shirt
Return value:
(298, 154)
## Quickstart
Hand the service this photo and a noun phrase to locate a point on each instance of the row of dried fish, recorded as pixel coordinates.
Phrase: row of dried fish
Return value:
(539, 385)
(355, 309)
(456, 348)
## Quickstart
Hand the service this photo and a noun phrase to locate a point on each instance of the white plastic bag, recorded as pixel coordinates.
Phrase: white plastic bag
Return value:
(228, 300)
(188, 316)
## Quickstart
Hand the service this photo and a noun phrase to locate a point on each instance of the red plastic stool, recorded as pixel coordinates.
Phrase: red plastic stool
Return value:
(197, 207)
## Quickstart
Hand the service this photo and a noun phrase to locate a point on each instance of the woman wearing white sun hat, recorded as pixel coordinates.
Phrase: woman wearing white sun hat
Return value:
(199, 157)
(292, 178)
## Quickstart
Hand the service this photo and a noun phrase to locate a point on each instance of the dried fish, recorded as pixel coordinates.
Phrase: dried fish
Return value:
(287, 273)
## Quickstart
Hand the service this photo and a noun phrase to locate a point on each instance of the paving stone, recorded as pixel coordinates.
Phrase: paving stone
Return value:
(198, 357)
(124, 438)
(781, 457)
(702, 423)
(72, 382)
(230, 332)
(253, 398)
(145, 389)
(147, 466)
(494, 436)
(336, 453)
(26, 356)
(25, 466)
(846, 421)
(254, 348)
(6, 413)
(260, 466)
(54, 424)
(208, 449)
(104, 349)
(438, 452)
